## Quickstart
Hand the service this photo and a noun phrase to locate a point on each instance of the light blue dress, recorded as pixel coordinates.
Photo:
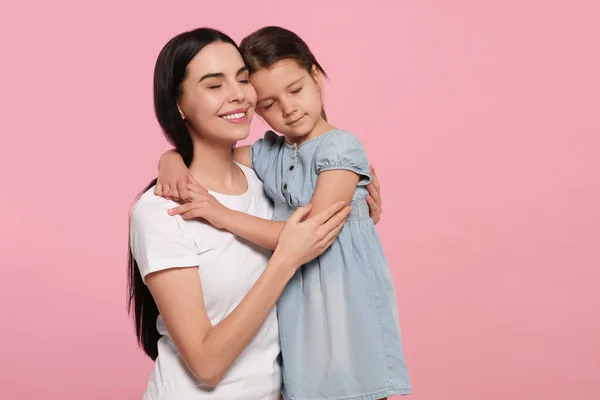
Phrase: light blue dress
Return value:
(338, 320)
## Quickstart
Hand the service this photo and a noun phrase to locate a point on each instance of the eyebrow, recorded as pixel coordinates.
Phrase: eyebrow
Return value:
(222, 75)
(296, 81)
(287, 87)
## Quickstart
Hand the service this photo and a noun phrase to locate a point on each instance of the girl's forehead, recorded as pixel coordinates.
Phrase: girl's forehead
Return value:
(280, 74)
(287, 63)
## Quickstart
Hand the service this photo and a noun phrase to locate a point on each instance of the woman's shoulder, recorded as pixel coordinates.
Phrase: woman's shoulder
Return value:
(150, 200)
(149, 207)
(249, 172)
(253, 179)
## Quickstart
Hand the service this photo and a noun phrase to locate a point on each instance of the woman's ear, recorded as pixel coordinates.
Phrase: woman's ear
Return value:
(181, 112)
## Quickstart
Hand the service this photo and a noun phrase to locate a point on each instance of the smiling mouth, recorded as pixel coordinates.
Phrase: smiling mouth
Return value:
(292, 123)
(233, 116)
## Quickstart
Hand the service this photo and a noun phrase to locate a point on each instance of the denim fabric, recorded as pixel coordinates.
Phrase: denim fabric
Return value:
(338, 319)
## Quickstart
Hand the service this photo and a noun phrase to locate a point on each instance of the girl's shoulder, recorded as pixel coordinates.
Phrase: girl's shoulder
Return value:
(269, 140)
(264, 151)
(339, 144)
(338, 137)
(341, 149)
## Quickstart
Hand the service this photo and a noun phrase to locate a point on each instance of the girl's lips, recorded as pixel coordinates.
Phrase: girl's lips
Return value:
(299, 119)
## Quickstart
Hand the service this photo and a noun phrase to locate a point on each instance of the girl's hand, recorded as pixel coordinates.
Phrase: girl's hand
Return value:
(374, 198)
(301, 241)
(173, 177)
(202, 204)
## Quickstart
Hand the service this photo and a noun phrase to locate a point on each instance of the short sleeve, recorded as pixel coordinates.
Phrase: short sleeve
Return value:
(158, 240)
(343, 150)
(264, 151)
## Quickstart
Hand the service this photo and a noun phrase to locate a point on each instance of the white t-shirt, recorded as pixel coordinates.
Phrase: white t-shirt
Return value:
(228, 266)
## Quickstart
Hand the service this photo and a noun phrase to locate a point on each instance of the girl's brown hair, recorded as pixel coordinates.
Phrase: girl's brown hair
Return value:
(271, 44)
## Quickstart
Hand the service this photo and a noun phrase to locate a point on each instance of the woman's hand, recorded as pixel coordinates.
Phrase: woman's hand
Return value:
(374, 198)
(301, 241)
(201, 204)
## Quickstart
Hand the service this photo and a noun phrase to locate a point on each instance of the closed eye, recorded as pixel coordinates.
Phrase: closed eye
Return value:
(297, 90)
(215, 86)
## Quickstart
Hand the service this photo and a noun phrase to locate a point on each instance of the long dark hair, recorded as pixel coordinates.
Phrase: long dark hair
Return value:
(271, 44)
(169, 73)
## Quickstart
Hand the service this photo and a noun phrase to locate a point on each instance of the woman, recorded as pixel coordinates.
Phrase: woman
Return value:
(203, 298)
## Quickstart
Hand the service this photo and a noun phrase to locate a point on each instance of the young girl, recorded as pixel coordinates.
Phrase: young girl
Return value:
(338, 321)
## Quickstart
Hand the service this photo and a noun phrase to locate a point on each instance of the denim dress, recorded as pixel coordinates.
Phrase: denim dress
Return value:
(338, 319)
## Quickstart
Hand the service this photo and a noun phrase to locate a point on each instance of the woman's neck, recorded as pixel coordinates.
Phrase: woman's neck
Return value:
(213, 168)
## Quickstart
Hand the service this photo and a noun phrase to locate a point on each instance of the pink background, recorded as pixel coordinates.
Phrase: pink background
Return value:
(481, 118)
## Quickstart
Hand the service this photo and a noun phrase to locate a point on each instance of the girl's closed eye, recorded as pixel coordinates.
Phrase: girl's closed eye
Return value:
(297, 90)
(244, 81)
(267, 106)
(216, 86)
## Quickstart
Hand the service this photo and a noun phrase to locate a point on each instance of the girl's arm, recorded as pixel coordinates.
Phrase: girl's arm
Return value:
(174, 179)
(263, 232)
(342, 165)
(201, 204)
(173, 174)
(209, 351)
(333, 186)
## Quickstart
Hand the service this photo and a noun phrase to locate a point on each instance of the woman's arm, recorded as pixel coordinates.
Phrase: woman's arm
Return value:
(209, 351)
(374, 198)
